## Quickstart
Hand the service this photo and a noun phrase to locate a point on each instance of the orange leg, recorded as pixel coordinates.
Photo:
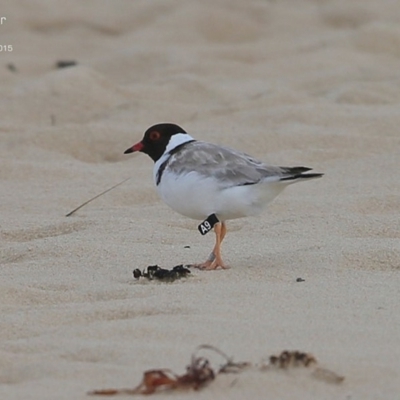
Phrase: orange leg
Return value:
(214, 260)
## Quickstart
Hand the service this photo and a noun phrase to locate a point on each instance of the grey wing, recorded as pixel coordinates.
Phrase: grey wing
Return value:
(230, 167)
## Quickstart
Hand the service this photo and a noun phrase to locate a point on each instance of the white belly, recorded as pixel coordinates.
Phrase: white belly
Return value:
(197, 197)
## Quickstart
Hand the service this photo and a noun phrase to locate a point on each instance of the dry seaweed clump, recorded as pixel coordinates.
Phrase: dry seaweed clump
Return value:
(162, 274)
(289, 359)
(199, 372)
(292, 359)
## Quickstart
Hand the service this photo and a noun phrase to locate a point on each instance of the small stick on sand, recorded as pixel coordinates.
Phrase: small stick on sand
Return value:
(95, 197)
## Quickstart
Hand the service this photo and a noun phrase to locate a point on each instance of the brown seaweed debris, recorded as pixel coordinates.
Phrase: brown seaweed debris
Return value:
(198, 374)
(162, 274)
(292, 359)
(288, 359)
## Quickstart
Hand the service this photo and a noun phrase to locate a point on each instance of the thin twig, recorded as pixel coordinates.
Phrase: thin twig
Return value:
(230, 366)
(95, 197)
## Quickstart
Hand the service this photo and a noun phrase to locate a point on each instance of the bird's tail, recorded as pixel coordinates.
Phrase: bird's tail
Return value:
(292, 174)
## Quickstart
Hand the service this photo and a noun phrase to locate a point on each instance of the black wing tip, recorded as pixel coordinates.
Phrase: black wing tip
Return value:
(302, 176)
(295, 170)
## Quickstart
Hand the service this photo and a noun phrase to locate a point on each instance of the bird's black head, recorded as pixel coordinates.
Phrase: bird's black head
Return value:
(155, 140)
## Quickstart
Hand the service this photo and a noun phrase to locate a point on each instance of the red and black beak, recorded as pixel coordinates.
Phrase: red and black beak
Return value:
(136, 147)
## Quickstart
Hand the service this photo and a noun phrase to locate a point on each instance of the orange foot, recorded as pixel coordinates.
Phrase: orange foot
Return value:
(212, 263)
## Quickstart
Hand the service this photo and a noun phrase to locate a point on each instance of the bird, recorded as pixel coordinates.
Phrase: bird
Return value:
(209, 182)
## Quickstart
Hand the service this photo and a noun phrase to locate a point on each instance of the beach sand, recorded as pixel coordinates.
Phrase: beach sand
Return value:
(314, 83)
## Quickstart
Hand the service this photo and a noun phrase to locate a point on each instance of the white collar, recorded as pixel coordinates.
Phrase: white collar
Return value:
(176, 140)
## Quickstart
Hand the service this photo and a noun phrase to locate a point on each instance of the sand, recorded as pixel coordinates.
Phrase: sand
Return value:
(313, 83)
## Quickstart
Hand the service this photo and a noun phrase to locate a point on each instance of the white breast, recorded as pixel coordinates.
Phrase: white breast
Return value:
(189, 195)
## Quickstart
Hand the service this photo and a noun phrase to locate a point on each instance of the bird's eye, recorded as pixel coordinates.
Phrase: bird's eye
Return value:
(154, 136)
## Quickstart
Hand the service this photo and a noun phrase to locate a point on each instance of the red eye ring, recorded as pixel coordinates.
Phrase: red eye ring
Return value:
(154, 136)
